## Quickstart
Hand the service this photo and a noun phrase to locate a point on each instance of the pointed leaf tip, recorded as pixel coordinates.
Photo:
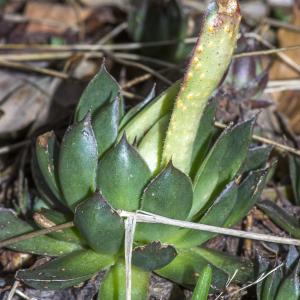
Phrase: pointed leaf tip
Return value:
(102, 89)
(169, 194)
(122, 166)
(78, 159)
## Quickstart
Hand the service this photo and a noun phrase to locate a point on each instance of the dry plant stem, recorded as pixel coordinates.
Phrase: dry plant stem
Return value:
(248, 243)
(113, 33)
(142, 67)
(280, 24)
(130, 224)
(267, 52)
(266, 141)
(86, 47)
(23, 296)
(260, 278)
(131, 95)
(10, 148)
(34, 234)
(48, 56)
(282, 85)
(285, 58)
(13, 290)
(144, 217)
(136, 81)
(15, 18)
(94, 51)
(20, 66)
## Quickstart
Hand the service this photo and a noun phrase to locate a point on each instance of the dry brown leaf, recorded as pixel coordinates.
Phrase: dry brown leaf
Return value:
(55, 18)
(289, 101)
(120, 3)
(12, 261)
(23, 100)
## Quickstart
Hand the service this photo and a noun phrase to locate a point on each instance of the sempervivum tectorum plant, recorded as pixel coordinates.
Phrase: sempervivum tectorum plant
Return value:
(162, 157)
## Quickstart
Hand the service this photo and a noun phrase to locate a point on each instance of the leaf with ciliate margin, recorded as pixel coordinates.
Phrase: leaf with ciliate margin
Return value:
(114, 284)
(204, 136)
(12, 226)
(102, 89)
(152, 143)
(153, 256)
(135, 129)
(216, 215)
(137, 108)
(170, 194)
(105, 124)
(78, 160)
(100, 224)
(122, 176)
(221, 164)
(66, 271)
(249, 192)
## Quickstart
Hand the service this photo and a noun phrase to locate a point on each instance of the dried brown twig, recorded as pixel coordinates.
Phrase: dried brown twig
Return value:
(145, 217)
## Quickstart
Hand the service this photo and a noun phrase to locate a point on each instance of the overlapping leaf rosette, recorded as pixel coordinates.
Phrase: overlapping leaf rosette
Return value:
(109, 162)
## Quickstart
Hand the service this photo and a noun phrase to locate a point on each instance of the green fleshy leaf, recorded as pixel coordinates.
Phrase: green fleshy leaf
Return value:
(66, 271)
(102, 89)
(151, 144)
(150, 114)
(216, 215)
(105, 125)
(153, 256)
(294, 166)
(43, 188)
(46, 150)
(203, 284)
(137, 108)
(12, 226)
(256, 158)
(122, 176)
(221, 165)
(248, 193)
(70, 235)
(170, 195)
(270, 285)
(114, 286)
(229, 264)
(187, 266)
(289, 288)
(287, 222)
(78, 162)
(100, 224)
(204, 136)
